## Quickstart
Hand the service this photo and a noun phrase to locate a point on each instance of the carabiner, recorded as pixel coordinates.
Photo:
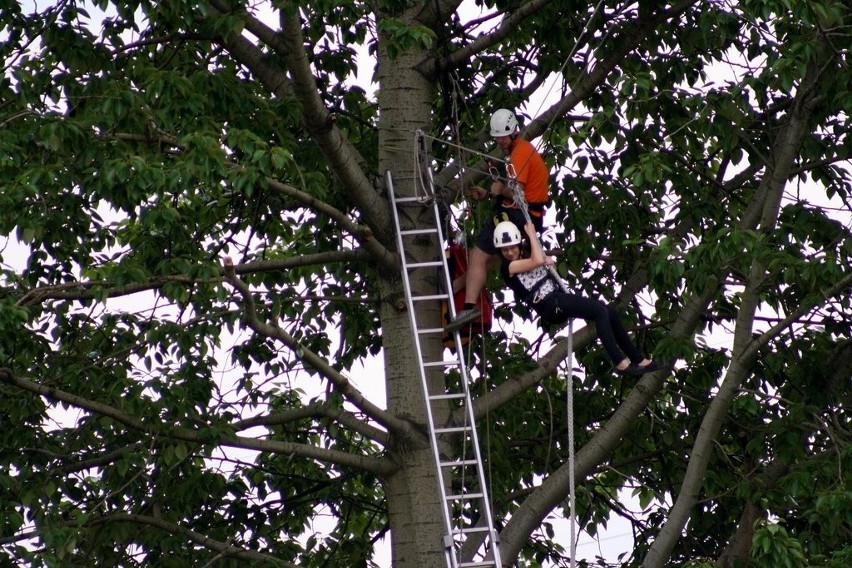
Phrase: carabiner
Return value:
(492, 170)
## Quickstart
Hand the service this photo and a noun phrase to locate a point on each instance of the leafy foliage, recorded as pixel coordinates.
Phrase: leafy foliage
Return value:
(198, 265)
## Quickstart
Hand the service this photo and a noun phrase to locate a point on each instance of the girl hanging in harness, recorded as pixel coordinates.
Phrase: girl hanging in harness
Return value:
(532, 282)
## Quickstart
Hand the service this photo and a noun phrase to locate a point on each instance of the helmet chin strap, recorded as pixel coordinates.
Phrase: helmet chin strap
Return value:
(513, 139)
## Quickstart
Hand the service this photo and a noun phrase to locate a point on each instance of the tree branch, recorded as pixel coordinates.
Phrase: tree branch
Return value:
(342, 157)
(156, 428)
(98, 461)
(431, 67)
(359, 255)
(335, 377)
(588, 81)
(632, 37)
(97, 290)
(316, 409)
(764, 211)
(739, 547)
(364, 234)
(505, 393)
(554, 488)
(223, 548)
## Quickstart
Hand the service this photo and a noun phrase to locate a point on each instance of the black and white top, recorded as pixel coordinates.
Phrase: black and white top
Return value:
(532, 286)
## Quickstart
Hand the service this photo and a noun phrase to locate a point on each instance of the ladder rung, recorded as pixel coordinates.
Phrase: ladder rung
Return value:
(425, 264)
(451, 429)
(426, 330)
(458, 463)
(430, 297)
(449, 396)
(466, 496)
(421, 200)
(406, 232)
(441, 363)
(477, 563)
(469, 530)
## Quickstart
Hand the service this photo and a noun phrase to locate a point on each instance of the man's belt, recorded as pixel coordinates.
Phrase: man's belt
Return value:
(535, 209)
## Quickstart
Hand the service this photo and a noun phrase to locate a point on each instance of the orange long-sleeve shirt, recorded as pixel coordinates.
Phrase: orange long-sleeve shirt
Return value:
(531, 171)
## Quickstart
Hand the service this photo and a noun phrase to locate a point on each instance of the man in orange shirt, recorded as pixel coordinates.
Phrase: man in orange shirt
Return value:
(533, 178)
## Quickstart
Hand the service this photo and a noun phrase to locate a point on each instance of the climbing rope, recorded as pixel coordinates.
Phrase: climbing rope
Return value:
(485, 156)
(520, 201)
(569, 402)
(424, 190)
(561, 73)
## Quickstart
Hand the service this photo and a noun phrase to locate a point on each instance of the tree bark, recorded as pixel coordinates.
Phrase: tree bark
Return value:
(415, 511)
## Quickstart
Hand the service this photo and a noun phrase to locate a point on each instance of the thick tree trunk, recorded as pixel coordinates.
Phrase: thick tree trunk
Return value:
(414, 506)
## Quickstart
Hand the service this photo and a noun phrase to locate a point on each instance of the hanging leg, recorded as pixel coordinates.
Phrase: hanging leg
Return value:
(474, 282)
(576, 306)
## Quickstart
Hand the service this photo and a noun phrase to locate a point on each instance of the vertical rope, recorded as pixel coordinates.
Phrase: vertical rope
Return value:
(569, 395)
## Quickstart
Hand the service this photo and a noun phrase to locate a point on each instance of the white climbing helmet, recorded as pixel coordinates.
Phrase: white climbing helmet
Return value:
(506, 234)
(503, 122)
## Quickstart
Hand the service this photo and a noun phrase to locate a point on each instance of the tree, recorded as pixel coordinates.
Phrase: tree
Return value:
(144, 142)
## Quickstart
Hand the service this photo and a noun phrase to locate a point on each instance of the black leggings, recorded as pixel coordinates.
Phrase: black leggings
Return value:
(560, 306)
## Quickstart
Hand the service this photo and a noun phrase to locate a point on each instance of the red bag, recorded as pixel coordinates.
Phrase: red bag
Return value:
(457, 263)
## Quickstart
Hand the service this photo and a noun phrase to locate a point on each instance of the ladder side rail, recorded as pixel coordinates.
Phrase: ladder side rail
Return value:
(469, 417)
(470, 425)
(449, 543)
(450, 558)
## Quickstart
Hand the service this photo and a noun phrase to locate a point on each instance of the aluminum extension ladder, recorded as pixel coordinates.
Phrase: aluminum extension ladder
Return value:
(468, 487)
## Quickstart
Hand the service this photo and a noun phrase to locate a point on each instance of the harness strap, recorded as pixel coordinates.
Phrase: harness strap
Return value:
(534, 295)
(537, 209)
